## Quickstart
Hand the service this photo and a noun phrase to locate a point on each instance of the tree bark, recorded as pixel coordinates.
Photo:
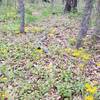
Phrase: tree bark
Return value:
(46, 1)
(67, 6)
(0, 2)
(63, 2)
(96, 35)
(74, 5)
(22, 15)
(70, 5)
(52, 6)
(85, 22)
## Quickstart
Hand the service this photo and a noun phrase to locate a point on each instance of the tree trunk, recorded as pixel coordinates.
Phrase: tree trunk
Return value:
(63, 2)
(22, 15)
(85, 22)
(67, 6)
(52, 6)
(70, 5)
(52, 3)
(96, 35)
(32, 1)
(74, 5)
(46, 1)
(0, 2)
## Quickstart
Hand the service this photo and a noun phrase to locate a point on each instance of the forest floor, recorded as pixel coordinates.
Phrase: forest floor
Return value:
(43, 64)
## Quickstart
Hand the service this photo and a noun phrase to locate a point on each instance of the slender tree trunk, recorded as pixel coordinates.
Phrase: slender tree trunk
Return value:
(0, 2)
(52, 3)
(63, 2)
(32, 1)
(67, 6)
(74, 5)
(85, 22)
(52, 6)
(22, 15)
(70, 5)
(96, 35)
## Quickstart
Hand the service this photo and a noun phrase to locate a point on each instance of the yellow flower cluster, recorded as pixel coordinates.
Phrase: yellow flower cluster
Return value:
(81, 66)
(89, 98)
(52, 31)
(79, 53)
(98, 64)
(3, 78)
(91, 89)
(76, 53)
(39, 50)
(3, 94)
(37, 53)
(33, 29)
(3, 50)
(68, 50)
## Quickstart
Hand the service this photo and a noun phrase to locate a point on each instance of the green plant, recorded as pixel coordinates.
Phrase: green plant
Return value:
(3, 50)
(67, 87)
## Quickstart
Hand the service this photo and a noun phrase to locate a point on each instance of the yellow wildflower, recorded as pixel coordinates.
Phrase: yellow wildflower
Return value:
(68, 50)
(81, 53)
(27, 29)
(81, 66)
(36, 29)
(37, 57)
(89, 98)
(3, 78)
(37, 53)
(87, 85)
(98, 64)
(52, 31)
(85, 56)
(90, 88)
(76, 53)
(39, 50)
(93, 90)
(2, 94)
(33, 29)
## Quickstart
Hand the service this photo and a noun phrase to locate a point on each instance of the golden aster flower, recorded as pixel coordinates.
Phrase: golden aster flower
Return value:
(68, 50)
(86, 56)
(76, 53)
(89, 98)
(98, 64)
(90, 88)
(87, 85)
(93, 90)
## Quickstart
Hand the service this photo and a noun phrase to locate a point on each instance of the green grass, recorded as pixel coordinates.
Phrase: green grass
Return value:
(10, 18)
